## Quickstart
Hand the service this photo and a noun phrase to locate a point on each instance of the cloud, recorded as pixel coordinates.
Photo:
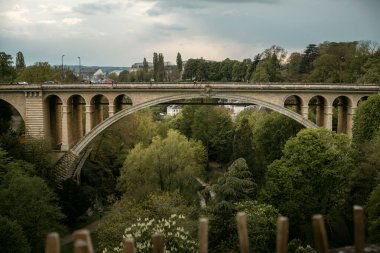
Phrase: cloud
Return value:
(71, 21)
(96, 7)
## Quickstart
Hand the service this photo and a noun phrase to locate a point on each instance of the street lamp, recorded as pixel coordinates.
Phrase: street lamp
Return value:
(62, 69)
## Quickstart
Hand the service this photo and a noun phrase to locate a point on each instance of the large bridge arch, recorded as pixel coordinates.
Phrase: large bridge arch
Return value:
(88, 138)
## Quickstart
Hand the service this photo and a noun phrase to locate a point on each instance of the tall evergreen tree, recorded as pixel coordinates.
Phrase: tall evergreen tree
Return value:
(7, 72)
(20, 62)
(311, 53)
(155, 66)
(179, 62)
(145, 65)
(161, 67)
(242, 143)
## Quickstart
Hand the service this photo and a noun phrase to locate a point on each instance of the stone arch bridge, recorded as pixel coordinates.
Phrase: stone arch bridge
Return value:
(71, 116)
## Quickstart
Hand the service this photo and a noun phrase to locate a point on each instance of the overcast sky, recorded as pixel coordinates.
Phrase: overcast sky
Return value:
(122, 32)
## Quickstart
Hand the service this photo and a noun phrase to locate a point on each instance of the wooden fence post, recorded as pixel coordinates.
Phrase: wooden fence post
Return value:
(359, 229)
(158, 243)
(320, 237)
(52, 243)
(203, 235)
(129, 245)
(84, 241)
(282, 235)
(241, 219)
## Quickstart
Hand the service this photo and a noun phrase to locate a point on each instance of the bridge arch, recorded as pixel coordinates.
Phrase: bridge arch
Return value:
(86, 140)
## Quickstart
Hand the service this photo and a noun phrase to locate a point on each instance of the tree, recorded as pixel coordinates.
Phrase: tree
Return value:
(310, 54)
(234, 186)
(366, 120)
(20, 62)
(145, 65)
(261, 224)
(7, 72)
(366, 174)
(270, 133)
(75, 200)
(39, 73)
(373, 210)
(242, 144)
(179, 62)
(12, 238)
(160, 167)
(311, 177)
(155, 66)
(29, 201)
(213, 126)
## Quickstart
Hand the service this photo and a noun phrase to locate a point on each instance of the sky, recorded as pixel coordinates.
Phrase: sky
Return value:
(122, 32)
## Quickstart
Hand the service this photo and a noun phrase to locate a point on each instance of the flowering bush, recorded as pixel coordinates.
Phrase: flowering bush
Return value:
(176, 238)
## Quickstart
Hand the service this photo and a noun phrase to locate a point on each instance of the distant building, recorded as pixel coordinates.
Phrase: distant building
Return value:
(139, 65)
(173, 110)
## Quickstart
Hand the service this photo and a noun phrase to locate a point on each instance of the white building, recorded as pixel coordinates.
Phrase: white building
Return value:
(173, 110)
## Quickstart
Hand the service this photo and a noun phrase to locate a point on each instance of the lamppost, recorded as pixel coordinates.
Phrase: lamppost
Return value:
(79, 76)
(62, 76)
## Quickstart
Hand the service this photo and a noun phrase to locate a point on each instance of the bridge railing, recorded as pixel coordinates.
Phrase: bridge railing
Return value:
(83, 243)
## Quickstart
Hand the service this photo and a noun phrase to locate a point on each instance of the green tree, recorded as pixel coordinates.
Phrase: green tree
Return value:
(155, 66)
(261, 223)
(311, 177)
(366, 174)
(268, 68)
(234, 186)
(242, 144)
(310, 54)
(373, 211)
(213, 126)
(12, 238)
(74, 199)
(179, 62)
(161, 68)
(366, 120)
(30, 202)
(270, 133)
(7, 72)
(39, 73)
(160, 167)
(294, 66)
(20, 62)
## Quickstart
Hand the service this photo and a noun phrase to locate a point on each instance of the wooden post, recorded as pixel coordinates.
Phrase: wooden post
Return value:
(359, 229)
(241, 219)
(158, 243)
(203, 235)
(83, 235)
(129, 245)
(282, 234)
(52, 243)
(320, 237)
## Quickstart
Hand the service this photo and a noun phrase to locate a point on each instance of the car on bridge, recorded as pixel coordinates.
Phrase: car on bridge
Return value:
(22, 82)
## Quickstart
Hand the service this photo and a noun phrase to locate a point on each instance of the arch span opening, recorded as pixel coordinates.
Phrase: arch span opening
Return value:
(84, 142)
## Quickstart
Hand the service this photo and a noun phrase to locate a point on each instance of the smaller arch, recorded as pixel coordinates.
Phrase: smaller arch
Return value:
(316, 108)
(10, 119)
(99, 108)
(362, 99)
(341, 107)
(294, 103)
(121, 102)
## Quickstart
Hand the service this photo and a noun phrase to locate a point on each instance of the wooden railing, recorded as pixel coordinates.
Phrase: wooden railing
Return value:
(83, 244)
